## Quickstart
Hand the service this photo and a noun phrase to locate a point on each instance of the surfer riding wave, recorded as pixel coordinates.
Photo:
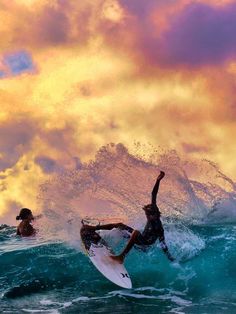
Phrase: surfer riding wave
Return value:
(153, 229)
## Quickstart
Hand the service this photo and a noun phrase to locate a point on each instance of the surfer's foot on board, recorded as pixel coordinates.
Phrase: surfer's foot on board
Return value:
(118, 258)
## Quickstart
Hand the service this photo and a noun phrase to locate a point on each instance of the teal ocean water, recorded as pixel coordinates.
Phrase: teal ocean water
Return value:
(53, 277)
(49, 273)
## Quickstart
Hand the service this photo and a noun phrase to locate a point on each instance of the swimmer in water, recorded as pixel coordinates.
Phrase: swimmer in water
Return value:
(25, 229)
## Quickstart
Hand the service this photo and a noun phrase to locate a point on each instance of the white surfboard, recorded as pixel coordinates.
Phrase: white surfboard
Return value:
(99, 255)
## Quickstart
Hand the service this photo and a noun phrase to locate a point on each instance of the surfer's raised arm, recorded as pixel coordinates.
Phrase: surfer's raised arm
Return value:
(156, 187)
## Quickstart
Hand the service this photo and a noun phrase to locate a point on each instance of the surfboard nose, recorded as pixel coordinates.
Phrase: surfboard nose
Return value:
(126, 285)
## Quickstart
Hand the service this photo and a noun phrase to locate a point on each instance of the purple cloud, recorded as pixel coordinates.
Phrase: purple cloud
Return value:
(16, 138)
(2, 74)
(200, 34)
(78, 163)
(59, 138)
(48, 165)
(53, 25)
(140, 8)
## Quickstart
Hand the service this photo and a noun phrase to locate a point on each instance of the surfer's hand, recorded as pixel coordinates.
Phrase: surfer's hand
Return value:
(170, 257)
(161, 175)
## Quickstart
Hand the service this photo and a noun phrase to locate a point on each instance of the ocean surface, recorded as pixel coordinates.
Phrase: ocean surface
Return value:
(50, 273)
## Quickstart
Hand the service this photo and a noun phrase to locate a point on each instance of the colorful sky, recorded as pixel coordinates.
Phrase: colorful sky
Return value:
(76, 75)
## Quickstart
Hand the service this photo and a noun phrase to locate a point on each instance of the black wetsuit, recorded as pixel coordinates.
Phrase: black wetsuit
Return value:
(153, 229)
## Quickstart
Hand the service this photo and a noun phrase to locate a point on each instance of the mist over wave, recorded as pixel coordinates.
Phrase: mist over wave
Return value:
(117, 184)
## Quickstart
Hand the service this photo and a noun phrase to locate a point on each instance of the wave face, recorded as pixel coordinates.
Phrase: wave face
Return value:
(49, 273)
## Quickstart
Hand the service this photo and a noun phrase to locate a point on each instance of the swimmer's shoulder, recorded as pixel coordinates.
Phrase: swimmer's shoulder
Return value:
(25, 229)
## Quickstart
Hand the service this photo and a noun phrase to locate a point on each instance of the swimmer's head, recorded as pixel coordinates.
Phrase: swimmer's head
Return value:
(25, 213)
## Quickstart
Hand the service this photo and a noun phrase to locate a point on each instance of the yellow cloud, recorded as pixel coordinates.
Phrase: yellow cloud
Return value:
(87, 93)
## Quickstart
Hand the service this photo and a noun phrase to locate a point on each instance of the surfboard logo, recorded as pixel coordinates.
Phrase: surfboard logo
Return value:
(125, 275)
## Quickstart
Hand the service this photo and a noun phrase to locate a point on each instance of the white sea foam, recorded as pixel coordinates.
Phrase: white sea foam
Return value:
(53, 311)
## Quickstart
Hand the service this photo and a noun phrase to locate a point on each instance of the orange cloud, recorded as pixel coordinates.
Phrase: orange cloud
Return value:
(95, 85)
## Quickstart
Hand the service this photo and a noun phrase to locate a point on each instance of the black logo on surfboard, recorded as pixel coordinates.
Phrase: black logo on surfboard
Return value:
(125, 275)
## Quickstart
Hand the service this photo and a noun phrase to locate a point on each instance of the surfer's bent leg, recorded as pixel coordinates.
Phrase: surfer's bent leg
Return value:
(88, 235)
(133, 240)
(119, 225)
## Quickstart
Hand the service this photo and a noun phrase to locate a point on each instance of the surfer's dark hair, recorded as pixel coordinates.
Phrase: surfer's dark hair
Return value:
(152, 209)
(24, 214)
